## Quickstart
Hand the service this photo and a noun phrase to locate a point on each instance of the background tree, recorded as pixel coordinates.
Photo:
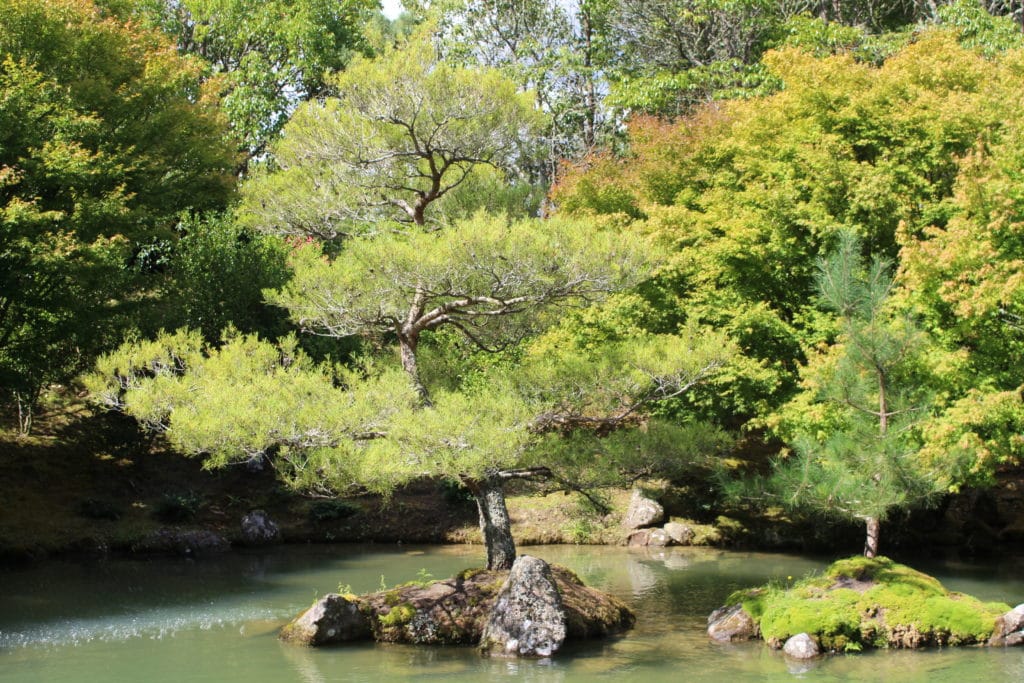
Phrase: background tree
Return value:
(215, 277)
(751, 190)
(264, 57)
(965, 278)
(404, 132)
(552, 49)
(105, 135)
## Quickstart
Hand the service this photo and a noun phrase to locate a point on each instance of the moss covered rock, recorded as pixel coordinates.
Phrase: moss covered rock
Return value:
(863, 603)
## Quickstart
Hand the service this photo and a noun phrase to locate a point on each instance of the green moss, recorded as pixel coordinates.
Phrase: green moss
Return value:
(467, 574)
(834, 618)
(399, 615)
(861, 602)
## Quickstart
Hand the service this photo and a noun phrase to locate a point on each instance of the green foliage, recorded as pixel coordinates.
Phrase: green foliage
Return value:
(247, 398)
(464, 271)
(862, 603)
(555, 50)
(397, 616)
(979, 29)
(217, 274)
(749, 194)
(404, 131)
(178, 507)
(331, 510)
(260, 55)
(678, 93)
(105, 135)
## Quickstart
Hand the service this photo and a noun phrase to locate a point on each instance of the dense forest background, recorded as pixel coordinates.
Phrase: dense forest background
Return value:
(769, 249)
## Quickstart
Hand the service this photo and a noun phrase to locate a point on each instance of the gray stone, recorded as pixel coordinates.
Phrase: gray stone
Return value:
(259, 529)
(659, 538)
(1009, 629)
(186, 542)
(679, 533)
(639, 538)
(731, 623)
(801, 646)
(528, 618)
(642, 512)
(332, 619)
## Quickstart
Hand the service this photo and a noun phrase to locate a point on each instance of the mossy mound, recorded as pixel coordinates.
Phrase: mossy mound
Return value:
(861, 603)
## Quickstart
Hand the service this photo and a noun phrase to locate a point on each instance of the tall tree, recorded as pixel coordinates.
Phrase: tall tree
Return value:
(384, 157)
(378, 427)
(105, 135)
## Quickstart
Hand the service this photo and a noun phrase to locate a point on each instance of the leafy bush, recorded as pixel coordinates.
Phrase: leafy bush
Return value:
(328, 510)
(178, 507)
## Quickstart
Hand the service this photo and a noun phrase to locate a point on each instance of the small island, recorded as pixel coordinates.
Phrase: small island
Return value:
(861, 603)
(527, 611)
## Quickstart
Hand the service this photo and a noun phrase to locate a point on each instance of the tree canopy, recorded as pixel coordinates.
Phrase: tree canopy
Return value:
(262, 56)
(106, 135)
(402, 134)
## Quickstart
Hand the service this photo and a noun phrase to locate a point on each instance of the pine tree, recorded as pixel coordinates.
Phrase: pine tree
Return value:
(869, 392)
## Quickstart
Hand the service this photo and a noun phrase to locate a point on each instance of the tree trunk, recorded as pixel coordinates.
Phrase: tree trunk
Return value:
(407, 350)
(871, 542)
(26, 406)
(494, 522)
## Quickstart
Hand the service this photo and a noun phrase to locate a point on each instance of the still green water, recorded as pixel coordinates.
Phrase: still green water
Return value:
(215, 619)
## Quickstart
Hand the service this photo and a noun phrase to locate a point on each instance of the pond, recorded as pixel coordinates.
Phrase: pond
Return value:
(215, 619)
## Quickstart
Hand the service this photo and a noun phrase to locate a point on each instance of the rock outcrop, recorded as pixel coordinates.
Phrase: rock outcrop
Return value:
(679, 533)
(259, 529)
(639, 538)
(527, 618)
(184, 542)
(659, 538)
(731, 624)
(1009, 628)
(456, 611)
(332, 619)
(642, 512)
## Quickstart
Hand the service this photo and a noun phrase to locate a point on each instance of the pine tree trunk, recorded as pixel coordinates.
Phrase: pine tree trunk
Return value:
(871, 542)
(495, 524)
(407, 350)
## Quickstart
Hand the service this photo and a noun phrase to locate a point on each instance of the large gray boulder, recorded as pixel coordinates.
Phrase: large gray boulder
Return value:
(1009, 628)
(259, 529)
(639, 538)
(642, 512)
(801, 646)
(730, 624)
(679, 533)
(659, 538)
(528, 618)
(332, 619)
